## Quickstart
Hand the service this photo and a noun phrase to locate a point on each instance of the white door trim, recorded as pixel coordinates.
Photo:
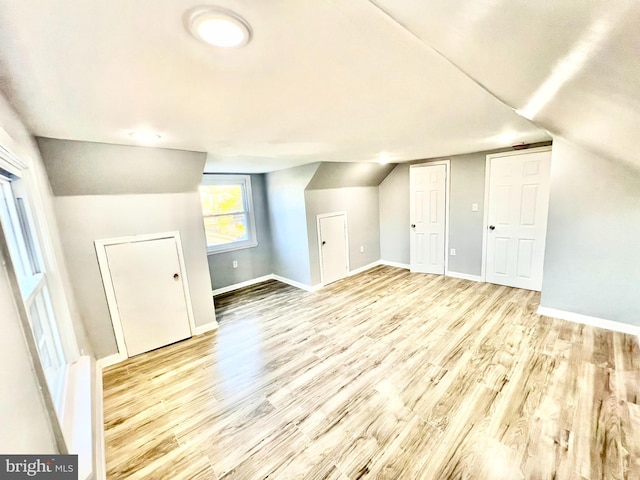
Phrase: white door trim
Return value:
(447, 196)
(346, 239)
(101, 251)
(485, 215)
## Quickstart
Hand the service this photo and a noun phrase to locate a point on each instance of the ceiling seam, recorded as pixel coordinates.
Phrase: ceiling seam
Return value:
(453, 64)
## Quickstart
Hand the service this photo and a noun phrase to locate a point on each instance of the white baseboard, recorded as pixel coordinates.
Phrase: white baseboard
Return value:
(406, 266)
(207, 327)
(105, 362)
(236, 286)
(464, 276)
(100, 470)
(365, 268)
(293, 283)
(591, 321)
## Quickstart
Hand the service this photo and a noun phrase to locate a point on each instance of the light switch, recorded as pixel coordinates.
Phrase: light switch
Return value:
(474, 207)
(453, 252)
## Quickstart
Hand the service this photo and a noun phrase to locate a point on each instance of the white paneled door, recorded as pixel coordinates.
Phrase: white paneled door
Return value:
(149, 292)
(427, 186)
(517, 211)
(332, 235)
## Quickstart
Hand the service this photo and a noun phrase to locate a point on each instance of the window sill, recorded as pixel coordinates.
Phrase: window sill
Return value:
(76, 414)
(233, 248)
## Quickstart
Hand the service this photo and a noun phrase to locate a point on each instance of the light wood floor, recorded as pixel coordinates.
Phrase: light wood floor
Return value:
(383, 375)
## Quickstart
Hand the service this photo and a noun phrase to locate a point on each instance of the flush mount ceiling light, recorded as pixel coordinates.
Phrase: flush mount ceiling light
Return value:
(218, 27)
(145, 137)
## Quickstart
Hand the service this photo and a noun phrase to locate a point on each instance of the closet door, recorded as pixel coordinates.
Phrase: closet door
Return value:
(149, 292)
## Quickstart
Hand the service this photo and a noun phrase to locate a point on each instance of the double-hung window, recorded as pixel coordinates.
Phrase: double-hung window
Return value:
(24, 250)
(227, 209)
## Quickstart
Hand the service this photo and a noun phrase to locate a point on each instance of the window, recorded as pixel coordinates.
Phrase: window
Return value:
(227, 209)
(28, 264)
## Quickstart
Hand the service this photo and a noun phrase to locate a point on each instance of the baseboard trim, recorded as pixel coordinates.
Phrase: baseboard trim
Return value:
(105, 362)
(464, 276)
(406, 266)
(100, 454)
(207, 327)
(365, 268)
(236, 286)
(587, 320)
(293, 283)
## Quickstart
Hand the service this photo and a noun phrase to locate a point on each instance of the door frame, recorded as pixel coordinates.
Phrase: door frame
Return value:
(109, 290)
(447, 195)
(346, 240)
(487, 186)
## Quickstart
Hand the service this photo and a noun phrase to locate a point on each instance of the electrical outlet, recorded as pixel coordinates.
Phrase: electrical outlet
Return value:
(474, 207)
(361, 248)
(235, 264)
(453, 252)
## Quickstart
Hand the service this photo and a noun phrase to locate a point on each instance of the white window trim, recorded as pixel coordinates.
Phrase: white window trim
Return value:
(224, 179)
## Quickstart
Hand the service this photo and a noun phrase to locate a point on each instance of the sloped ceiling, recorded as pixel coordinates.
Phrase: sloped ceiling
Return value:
(571, 66)
(326, 80)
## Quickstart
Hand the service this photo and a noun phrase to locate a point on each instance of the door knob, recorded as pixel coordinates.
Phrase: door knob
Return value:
(492, 227)
(323, 242)
(413, 225)
(176, 276)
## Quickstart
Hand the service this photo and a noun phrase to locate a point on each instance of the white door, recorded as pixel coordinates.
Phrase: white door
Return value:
(332, 234)
(148, 286)
(428, 187)
(517, 218)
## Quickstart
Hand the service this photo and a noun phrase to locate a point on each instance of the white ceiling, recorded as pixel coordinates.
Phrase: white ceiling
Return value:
(322, 80)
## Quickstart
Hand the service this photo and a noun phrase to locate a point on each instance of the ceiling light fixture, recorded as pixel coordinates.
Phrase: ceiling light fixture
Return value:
(145, 137)
(383, 158)
(218, 27)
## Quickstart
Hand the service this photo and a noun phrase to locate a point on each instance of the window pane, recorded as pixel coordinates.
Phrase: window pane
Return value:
(221, 199)
(225, 229)
(26, 233)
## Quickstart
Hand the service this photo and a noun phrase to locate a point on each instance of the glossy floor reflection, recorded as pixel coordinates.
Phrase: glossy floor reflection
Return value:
(386, 374)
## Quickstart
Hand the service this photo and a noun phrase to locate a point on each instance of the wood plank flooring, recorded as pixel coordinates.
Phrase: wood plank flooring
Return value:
(387, 375)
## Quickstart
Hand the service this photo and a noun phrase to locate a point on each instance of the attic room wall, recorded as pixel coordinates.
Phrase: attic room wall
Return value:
(465, 226)
(253, 262)
(361, 205)
(592, 259)
(23, 416)
(394, 216)
(138, 191)
(287, 217)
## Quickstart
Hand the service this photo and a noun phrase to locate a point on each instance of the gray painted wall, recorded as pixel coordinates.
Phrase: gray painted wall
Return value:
(252, 262)
(465, 226)
(23, 416)
(341, 174)
(88, 168)
(394, 215)
(363, 223)
(592, 256)
(86, 218)
(288, 221)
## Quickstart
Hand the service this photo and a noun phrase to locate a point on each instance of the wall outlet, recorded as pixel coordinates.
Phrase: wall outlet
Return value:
(453, 252)
(235, 264)
(361, 248)
(474, 207)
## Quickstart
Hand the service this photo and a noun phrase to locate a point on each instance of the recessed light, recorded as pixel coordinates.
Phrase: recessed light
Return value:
(218, 27)
(383, 158)
(145, 137)
(507, 137)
